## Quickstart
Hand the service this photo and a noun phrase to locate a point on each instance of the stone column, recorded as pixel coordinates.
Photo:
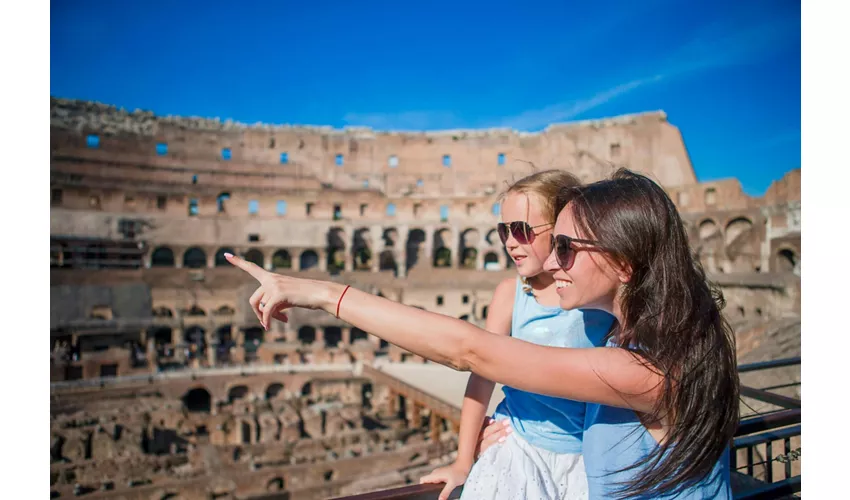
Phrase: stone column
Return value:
(435, 425)
(346, 336)
(320, 337)
(392, 402)
(416, 415)
(376, 258)
(150, 354)
(323, 259)
(454, 247)
(211, 355)
(296, 260)
(479, 258)
(349, 260)
(267, 259)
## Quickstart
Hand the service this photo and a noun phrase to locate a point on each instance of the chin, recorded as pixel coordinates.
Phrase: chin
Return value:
(528, 272)
(569, 303)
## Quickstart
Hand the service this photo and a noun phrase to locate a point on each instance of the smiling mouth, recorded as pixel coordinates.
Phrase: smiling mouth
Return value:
(561, 284)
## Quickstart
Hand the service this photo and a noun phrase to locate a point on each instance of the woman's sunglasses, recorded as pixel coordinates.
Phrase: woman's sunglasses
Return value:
(520, 230)
(565, 254)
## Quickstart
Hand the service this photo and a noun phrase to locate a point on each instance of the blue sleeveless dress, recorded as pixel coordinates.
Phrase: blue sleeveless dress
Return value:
(542, 458)
(547, 422)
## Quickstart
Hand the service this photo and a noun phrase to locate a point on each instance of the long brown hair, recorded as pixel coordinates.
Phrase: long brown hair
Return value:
(671, 318)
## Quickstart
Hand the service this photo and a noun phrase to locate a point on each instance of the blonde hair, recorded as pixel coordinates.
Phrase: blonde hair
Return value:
(546, 184)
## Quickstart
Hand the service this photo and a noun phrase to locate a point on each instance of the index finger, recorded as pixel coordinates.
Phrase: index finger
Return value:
(249, 267)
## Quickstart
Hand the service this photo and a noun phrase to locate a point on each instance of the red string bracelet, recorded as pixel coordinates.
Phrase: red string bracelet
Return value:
(340, 299)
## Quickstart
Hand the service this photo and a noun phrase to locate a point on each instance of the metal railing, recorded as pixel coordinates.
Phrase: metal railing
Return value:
(757, 435)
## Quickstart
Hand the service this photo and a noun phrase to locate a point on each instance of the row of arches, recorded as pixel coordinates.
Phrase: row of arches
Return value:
(200, 399)
(709, 229)
(362, 258)
(193, 311)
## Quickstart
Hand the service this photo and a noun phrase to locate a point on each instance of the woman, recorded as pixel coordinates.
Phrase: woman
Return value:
(668, 374)
(542, 459)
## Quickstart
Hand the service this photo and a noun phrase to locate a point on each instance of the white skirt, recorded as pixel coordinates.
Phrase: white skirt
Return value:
(517, 470)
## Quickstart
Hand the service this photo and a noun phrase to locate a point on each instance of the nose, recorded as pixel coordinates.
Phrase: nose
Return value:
(551, 263)
(511, 242)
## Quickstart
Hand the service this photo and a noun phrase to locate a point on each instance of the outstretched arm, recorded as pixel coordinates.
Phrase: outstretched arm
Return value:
(609, 376)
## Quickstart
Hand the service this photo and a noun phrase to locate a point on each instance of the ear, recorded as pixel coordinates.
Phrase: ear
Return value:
(624, 273)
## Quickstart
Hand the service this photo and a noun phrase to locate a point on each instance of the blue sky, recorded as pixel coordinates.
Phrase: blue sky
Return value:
(726, 72)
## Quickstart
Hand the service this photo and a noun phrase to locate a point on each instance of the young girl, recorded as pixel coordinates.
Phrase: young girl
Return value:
(548, 430)
(663, 394)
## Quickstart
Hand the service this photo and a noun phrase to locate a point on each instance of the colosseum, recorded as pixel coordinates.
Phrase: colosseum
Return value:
(165, 385)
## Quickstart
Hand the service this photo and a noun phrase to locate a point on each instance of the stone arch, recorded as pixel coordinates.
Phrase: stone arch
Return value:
(276, 484)
(361, 249)
(163, 312)
(736, 228)
(246, 433)
(162, 257)
(308, 260)
(469, 241)
(358, 334)
(194, 311)
(224, 310)
(707, 229)
(387, 261)
(493, 237)
(306, 335)
(415, 241)
(281, 260)
(390, 237)
(274, 390)
(256, 256)
(787, 261)
(195, 335)
(221, 202)
(333, 336)
(197, 400)
(336, 245)
(254, 338)
(220, 260)
(307, 388)
(442, 248)
(162, 335)
(237, 392)
(195, 258)
(491, 261)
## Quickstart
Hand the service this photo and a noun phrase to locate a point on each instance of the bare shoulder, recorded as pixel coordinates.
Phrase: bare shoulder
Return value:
(501, 309)
(505, 292)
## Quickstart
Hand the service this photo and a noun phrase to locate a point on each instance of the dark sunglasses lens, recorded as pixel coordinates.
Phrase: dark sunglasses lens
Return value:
(563, 252)
(521, 231)
(503, 231)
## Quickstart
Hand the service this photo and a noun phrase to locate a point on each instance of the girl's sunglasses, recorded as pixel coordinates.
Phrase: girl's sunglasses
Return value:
(520, 230)
(565, 254)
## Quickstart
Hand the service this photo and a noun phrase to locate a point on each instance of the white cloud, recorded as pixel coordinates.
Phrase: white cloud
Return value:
(540, 118)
